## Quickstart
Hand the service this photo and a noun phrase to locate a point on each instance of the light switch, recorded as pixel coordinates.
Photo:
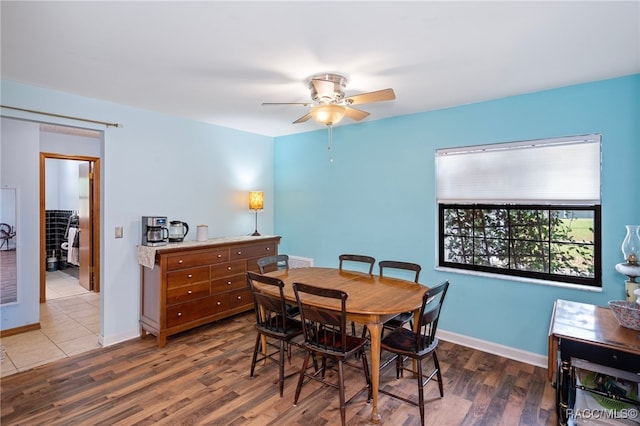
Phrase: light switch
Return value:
(118, 231)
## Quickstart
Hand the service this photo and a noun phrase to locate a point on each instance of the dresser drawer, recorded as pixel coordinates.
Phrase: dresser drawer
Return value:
(228, 269)
(229, 283)
(238, 298)
(254, 250)
(192, 311)
(201, 258)
(188, 293)
(187, 276)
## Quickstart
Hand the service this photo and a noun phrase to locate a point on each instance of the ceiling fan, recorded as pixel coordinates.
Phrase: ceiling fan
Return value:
(330, 105)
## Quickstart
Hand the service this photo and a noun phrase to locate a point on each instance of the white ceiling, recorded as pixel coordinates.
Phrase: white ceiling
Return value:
(217, 61)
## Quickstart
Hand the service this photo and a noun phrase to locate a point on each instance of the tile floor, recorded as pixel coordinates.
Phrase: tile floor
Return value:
(70, 324)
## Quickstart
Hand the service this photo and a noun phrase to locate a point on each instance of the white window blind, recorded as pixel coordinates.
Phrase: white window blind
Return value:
(546, 171)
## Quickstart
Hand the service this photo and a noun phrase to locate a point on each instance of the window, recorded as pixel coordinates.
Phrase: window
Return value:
(529, 209)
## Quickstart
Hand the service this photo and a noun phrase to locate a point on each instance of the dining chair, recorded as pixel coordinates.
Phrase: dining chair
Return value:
(272, 322)
(325, 335)
(406, 317)
(357, 258)
(273, 263)
(344, 258)
(277, 262)
(419, 345)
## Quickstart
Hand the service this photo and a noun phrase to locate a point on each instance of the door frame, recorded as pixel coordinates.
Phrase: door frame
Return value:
(95, 217)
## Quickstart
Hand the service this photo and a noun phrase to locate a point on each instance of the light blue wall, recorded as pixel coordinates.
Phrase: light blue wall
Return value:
(154, 165)
(378, 196)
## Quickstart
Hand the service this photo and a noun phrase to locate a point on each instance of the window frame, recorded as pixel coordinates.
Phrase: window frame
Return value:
(594, 282)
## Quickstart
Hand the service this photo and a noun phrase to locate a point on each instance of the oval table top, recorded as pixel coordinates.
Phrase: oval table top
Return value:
(368, 294)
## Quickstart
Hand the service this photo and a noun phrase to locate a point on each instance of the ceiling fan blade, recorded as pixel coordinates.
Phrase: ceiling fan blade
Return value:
(303, 118)
(304, 104)
(377, 96)
(355, 114)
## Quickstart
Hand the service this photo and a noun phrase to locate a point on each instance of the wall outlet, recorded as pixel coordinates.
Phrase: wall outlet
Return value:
(118, 231)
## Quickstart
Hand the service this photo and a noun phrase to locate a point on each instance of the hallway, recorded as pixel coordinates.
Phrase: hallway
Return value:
(70, 322)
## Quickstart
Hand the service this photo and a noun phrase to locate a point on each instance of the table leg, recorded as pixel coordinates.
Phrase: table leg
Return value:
(552, 357)
(375, 330)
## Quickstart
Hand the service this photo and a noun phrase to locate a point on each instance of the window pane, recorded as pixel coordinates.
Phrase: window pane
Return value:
(531, 241)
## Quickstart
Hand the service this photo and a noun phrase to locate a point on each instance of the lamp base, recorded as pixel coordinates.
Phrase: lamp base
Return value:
(630, 287)
(255, 233)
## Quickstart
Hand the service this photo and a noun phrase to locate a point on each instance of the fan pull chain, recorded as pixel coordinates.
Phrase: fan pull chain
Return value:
(330, 141)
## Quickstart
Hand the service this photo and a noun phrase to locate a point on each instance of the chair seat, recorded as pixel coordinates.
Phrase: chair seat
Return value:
(399, 320)
(331, 342)
(276, 328)
(403, 341)
(293, 310)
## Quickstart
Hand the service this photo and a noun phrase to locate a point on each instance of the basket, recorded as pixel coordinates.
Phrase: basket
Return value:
(627, 313)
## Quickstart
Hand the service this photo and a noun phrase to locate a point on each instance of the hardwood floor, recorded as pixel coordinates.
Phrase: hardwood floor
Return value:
(201, 377)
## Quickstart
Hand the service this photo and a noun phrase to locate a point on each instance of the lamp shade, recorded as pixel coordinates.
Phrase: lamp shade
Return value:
(328, 114)
(256, 200)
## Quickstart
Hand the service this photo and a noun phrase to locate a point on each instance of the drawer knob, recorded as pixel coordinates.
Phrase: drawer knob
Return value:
(180, 261)
(228, 282)
(228, 268)
(239, 297)
(189, 276)
(218, 303)
(179, 314)
(268, 248)
(219, 256)
(189, 292)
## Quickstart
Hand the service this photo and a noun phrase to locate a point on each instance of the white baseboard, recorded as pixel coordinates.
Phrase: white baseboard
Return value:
(494, 348)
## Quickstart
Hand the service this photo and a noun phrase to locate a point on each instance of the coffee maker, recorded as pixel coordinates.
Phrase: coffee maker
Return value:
(154, 231)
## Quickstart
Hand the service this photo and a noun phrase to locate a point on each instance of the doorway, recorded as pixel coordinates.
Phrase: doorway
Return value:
(70, 236)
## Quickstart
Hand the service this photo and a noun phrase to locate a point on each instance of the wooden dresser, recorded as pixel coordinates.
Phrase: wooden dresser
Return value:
(194, 283)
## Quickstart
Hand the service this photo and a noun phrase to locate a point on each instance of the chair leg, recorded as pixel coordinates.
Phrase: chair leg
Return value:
(255, 354)
(305, 364)
(281, 362)
(439, 374)
(343, 408)
(420, 392)
(367, 376)
(399, 366)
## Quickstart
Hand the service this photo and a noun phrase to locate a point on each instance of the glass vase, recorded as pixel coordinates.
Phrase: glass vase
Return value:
(631, 244)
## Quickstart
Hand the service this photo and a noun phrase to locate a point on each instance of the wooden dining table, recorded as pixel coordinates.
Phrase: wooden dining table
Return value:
(372, 301)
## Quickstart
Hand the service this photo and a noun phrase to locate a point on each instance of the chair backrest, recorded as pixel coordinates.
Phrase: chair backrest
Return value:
(271, 311)
(357, 258)
(407, 266)
(432, 301)
(272, 263)
(323, 329)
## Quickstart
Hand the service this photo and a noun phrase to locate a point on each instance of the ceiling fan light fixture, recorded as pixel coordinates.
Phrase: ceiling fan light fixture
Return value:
(328, 114)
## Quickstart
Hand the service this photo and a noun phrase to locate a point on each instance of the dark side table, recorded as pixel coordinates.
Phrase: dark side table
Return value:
(591, 335)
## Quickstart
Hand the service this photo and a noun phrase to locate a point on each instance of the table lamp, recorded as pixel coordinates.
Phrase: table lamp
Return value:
(256, 203)
(630, 268)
